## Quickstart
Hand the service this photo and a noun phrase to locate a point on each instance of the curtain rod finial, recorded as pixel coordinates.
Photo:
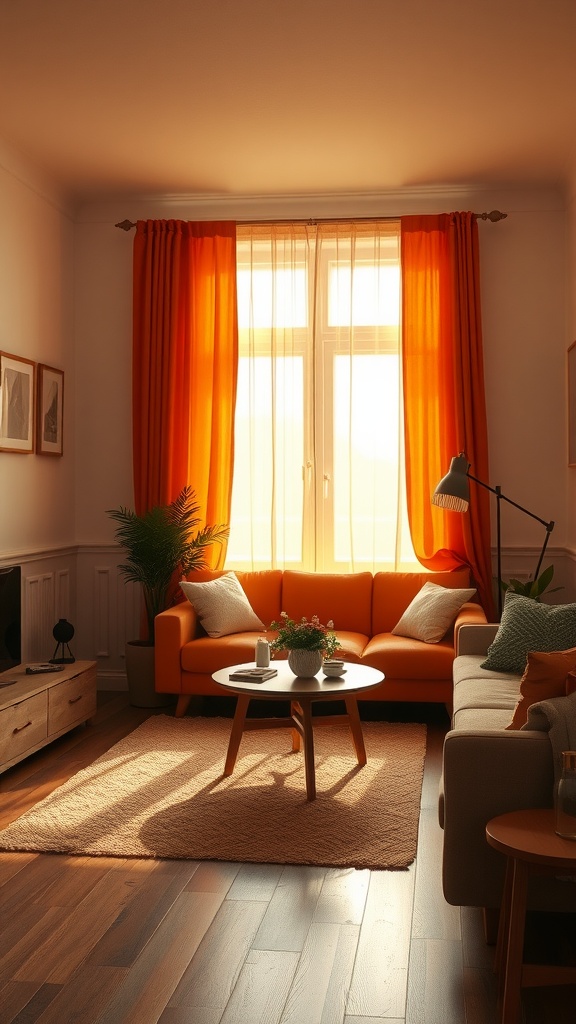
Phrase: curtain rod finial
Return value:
(494, 216)
(125, 225)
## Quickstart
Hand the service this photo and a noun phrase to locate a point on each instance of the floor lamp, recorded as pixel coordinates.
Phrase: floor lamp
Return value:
(453, 492)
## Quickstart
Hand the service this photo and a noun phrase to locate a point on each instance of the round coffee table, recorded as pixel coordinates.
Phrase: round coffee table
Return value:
(302, 693)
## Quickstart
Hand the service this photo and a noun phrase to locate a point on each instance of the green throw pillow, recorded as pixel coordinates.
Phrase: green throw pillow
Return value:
(527, 626)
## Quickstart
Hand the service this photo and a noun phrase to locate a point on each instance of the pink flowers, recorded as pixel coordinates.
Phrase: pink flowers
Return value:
(305, 635)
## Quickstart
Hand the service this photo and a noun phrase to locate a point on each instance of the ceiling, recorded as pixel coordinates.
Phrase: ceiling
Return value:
(114, 98)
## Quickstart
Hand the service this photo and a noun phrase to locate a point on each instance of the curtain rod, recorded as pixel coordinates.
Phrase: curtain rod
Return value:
(494, 216)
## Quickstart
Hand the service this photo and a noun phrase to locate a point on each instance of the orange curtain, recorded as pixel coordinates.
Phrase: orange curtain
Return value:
(185, 359)
(444, 403)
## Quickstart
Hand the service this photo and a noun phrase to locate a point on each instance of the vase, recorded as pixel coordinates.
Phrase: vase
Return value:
(305, 663)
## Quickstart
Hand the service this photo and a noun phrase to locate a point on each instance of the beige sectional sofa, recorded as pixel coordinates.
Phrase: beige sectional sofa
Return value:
(488, 770)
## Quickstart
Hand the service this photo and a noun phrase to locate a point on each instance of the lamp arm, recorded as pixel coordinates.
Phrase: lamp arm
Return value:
(496, 490)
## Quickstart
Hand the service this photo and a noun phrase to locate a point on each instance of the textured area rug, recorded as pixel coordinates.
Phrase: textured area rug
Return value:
(160, 792)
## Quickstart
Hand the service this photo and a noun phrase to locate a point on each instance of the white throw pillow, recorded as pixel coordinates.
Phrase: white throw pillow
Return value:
(222, 605)
(430, 614)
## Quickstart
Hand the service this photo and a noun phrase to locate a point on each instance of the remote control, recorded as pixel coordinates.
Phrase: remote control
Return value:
(36, 670)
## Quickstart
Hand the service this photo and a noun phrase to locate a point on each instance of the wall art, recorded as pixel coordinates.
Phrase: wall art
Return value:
(572, 404)
(50, 411)
(17, 381)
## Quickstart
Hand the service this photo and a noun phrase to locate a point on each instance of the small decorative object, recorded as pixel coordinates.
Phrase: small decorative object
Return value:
(50, 409)
(262, 653)
(333, 667)
(17, 382)
(63, 632)
(308, 642)
(566, 797)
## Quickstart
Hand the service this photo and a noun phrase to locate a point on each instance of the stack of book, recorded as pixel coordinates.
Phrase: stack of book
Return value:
(253, 675)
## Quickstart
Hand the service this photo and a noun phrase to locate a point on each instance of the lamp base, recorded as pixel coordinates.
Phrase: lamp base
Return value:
(62, 655)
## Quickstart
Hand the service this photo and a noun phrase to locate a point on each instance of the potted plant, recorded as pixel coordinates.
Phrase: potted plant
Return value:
(163, 545)
(308, 642)
(532, 588)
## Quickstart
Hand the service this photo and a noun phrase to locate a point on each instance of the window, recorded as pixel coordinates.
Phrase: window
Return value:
(318, 481)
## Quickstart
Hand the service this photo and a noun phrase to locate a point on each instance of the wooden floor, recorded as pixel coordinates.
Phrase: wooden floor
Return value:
(180, 942)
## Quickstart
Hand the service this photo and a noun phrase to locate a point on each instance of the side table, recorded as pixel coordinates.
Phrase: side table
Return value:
(528, 840)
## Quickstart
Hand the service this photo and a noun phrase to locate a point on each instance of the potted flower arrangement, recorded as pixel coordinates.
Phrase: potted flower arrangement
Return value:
(308, 642)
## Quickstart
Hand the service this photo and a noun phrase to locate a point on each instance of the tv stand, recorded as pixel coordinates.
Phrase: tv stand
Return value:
(36, 709)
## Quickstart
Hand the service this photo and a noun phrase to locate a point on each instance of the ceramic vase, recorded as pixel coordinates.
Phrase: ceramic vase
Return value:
(305, 663)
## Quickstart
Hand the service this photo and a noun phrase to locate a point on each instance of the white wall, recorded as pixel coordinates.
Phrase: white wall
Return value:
(36, 302)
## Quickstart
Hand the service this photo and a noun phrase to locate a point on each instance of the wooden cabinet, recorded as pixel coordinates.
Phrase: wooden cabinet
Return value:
(34, 710)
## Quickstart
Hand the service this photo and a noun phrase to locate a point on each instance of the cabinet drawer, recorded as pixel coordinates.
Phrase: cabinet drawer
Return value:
(23, 726)
(71, 701)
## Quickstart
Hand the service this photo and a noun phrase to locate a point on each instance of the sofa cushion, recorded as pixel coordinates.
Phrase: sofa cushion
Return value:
(393, 592)
(345, 598)
(400, 657)
(430, 614)
(527, 625)
(477, 720)
(547, 674)
(222, 606)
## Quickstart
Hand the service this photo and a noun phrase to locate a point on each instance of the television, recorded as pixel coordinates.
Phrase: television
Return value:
(10, 617)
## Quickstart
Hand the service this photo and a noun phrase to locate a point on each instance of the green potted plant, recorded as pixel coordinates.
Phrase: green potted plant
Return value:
(163, 545)
(532, 588)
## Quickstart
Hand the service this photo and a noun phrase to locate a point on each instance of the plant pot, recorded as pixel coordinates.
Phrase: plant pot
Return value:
(140, 676)
(305, 663)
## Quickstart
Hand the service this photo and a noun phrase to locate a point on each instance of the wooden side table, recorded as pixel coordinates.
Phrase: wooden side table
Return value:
(528, 840)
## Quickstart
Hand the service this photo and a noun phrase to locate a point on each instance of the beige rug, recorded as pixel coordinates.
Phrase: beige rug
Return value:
(160, 793)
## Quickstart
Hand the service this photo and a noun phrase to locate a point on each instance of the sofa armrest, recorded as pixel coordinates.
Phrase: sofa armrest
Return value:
(173, 628)
(475, 638)
(485, 774)
(469, 614)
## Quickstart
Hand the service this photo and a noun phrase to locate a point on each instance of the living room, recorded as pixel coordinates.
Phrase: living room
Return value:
(67, 268)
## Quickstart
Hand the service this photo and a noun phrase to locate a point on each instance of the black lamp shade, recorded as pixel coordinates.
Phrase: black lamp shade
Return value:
(453, 491)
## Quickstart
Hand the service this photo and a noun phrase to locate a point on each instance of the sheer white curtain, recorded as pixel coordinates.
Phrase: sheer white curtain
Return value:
(319, 466)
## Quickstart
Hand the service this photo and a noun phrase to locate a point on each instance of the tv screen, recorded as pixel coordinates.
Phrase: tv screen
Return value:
(10, 638)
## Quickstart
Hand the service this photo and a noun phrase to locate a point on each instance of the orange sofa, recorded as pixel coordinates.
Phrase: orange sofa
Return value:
(364, 608)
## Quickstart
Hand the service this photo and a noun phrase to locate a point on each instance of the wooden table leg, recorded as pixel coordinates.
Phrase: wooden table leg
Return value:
(236, 734)
(356, 729)
(511, 1004)
(309, 767)
(295, 711)
(503, 930)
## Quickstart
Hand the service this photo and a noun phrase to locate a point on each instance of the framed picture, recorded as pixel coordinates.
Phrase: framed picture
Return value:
(49, 415)
(572, 404)
(17, 380)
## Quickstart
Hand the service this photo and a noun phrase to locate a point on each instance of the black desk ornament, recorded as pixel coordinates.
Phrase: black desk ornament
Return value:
(63, 632)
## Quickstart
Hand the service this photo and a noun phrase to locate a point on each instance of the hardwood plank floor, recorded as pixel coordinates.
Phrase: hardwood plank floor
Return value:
(109, 941)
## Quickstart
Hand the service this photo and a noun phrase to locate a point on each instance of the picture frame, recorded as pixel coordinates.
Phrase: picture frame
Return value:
(50, 410)
(17, 403)
(572, 404)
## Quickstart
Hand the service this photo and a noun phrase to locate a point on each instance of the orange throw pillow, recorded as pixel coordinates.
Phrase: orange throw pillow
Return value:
(547, 674)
